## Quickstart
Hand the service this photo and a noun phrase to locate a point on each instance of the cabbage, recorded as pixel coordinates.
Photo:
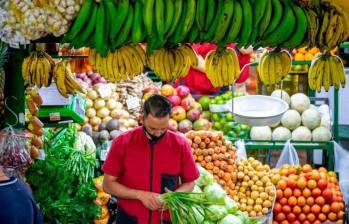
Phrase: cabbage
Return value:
(261, 133)
(300, 102)
(231, 205)
(321, 134)
(242, 216)
(230, 219)
(199, 214)
(215, 212)
(291, 119)
(205, 178)
(207, 222)
(301, 134)
(215, 194)
(281, 134)
(197, 189)
(311, 119)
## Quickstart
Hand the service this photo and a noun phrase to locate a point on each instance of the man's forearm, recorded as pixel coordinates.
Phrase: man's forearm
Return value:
(121, 191)
(186, 187)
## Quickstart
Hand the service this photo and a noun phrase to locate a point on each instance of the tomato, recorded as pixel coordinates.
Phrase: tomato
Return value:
(279, 194)
(311, 184)
(306, 168)
(301, 183)
(332, 174)
(287, 192)
(284, 222)
(311, 217)
(310, 201)
(283, 201)
(291, 170)
(341, 205)
(326, 209)
(297, 193)
(315, 175)
(340, 214)
(297, 210)
(306, 209)
(291, 183)
(322, 217)
(277, 208)
(301, 201)
(302, 217)
(316, 192)
(316, 222)
(332, 216)
(286, 209)
(322, 184)
(291, 217)
(327, 194)
(306, 193)
(283, 172)
(335, 207)
(280, 217)
(292, 201)
(320, 201)
(316, 209)
(296, 222)
(282, 184)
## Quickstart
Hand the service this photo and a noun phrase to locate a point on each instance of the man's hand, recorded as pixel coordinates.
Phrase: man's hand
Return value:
(150, 200)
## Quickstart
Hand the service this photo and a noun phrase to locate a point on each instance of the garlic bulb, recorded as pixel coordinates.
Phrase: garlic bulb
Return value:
(34, 23)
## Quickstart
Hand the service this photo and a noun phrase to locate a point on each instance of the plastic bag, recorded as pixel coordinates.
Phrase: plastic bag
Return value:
(14, 155)
(241, 149)
(341, 165)
(288, 155)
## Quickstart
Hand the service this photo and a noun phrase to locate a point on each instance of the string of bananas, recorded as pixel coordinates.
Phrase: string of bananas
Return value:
(326, 70)
(222, 67)
(122, 64)
(274, 66)
(172, 63)
(37, 69)
(65, 80)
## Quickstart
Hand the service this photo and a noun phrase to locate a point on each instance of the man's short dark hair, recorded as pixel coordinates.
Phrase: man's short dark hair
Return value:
(158, 106)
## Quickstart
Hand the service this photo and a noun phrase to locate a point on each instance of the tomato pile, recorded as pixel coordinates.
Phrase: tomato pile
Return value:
(306, 195)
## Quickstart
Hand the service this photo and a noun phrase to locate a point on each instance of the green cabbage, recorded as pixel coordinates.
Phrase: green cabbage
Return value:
(197, 189)
(205, 178)
(199, 214)
(215, 194)
(231, 219)
(231, 205)
(215, 212)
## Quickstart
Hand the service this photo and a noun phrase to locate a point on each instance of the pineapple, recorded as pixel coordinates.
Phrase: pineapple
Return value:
(3, 56)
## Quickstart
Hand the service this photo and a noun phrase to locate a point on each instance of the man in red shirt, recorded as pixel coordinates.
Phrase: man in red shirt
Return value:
(197, 81)
(145, 162)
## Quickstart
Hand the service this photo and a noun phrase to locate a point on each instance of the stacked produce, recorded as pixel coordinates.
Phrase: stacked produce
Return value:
(304, 54)
(307, 195)
(90, 78)
(222, 67)
(254, 190)
(274, 66)
(186, 113)
(216, 155)
(101, 200)
(208, 203)
(122, 64)
(302, 122)
(224, 121)
(173, 63)
(35, 126)
(3, 58)
(31, 20)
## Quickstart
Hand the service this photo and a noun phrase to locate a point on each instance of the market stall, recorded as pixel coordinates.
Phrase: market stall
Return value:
(74, 75)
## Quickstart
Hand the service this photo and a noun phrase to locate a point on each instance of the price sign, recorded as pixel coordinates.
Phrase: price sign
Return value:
(133, 103)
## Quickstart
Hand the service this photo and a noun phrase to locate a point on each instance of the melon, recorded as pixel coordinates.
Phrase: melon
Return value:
(291, 119)
(281, 94)
(281, 134)
(311, 118)
(261, 133)
(300, 102)
(321, 134)
(301, 134)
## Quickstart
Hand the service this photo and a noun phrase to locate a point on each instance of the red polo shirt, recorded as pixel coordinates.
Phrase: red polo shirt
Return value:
(142, 166)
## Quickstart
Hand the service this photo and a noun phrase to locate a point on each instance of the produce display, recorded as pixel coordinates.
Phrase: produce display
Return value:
(3, 57)
(302, 122)
(304, 54)
(32, 20)
(101, 200)
(306, 195)
(90, 78)
(224, 121)
(254, 190)
(216, 155)
(63, 183)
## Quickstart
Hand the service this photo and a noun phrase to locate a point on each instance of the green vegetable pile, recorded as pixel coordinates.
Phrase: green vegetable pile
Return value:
(62, 183)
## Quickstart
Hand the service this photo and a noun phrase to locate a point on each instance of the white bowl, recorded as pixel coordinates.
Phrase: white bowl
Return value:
(258, 110)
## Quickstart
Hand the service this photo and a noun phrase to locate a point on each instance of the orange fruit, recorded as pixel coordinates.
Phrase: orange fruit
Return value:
(316, 192)
(311, 184)
(314, 51)
(315, 209)
(299, 57)
(291, 183)
(291, 217)
(301, 201)
(308, 56)
(292, 201)
(306, 168)
(311, 217)
(277, 208)
(335, 207)
(302, 217)
(306, 209)
(297, 210)
(287, 192)
(301, 183)
(279, 194)
(282, 184)
(280, 217)
(332, 216)
(297, 193)
(283, 201)
(310, 201)
(322, 217)
(326, 209)
(286, 209)
(306, 193)
(315, 175)
(320, 201)
(302, 50)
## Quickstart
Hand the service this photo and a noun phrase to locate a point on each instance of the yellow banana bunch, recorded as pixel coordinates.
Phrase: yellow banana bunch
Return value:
(37, 69)
(171, 64)
(122, 64)
(274, 66)
(326, 70)
(222, 67)
(65, 80)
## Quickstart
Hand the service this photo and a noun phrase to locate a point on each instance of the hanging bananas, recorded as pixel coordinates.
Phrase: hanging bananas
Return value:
(65, 80)
(122, 64)
(171, 64)
(326, 70)
(222, 67)
(274, 66)
(37, 69)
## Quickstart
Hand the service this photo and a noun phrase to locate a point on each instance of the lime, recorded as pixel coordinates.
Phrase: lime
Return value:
(236, 128)
(204, 102)
(217, 125)
(245, 127)
(215, 117)
(230, 117)
(231, 134)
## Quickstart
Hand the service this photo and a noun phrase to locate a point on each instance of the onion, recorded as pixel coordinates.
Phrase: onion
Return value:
(116, 113)
(89, 103)
(91, 112)
(106, 119)
(92, 94)
(95, 121)
(98, 104)
(103, 112)
(111, 104)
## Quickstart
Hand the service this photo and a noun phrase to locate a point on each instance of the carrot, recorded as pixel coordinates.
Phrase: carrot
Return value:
(211, 145)
(221, 156)
(217, 150)
(227, 156)
(203, 163)
(223, 165)
(223, 149)
(195, 146)
(215, 157)
(221, 182)
(210, 151)
(208, 158)
(221, 173)
(231, 161)
(198, 152)
(197, 139)
(215, 169)
(202, 145)
(209, 165)
(217, 163)
(207, 140)
(227, 177)
(200, 158)
(230, 168)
